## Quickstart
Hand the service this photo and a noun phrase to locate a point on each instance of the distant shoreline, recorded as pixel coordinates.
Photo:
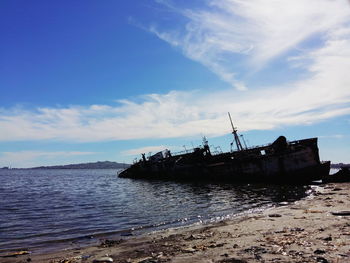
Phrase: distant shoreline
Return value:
(95, 165)
(339, 165)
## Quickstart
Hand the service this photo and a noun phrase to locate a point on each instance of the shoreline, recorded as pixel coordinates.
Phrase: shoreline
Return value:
(302, 231)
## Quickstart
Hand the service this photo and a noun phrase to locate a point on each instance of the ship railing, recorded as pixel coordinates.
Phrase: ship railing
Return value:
(182, 152)
(262, 146)
(218, 150)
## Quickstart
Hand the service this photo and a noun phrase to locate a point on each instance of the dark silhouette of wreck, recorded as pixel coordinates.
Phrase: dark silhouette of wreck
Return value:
(279, 162)
(342, 176)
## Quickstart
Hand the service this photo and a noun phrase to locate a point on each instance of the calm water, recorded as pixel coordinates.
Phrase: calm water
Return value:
(41, 209)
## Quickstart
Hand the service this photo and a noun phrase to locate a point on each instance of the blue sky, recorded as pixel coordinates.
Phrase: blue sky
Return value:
(85, 81)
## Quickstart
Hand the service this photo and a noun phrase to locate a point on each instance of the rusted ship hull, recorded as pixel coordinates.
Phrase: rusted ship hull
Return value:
(279, 162)
(224, 174)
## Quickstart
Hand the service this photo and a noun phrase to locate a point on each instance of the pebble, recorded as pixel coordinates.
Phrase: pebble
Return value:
(297, 229)
(319, 251)
(341, 213)
(189, 250)
(149, 261)
(232, 260)
(103, 260)
(275, 215)
(145, 260)
(321, 260)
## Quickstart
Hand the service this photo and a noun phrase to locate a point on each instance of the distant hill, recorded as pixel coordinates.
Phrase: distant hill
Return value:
(339, 165)
(96, 165)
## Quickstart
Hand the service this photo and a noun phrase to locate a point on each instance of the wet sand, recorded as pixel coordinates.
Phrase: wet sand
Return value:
(309, 230)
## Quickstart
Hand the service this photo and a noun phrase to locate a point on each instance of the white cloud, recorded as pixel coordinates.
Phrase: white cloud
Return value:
(322, 94)
(250, 33)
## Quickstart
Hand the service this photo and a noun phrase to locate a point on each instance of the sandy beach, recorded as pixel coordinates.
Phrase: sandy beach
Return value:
(315, 229)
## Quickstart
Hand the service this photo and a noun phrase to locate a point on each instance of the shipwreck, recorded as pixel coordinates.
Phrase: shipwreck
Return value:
(281, 161)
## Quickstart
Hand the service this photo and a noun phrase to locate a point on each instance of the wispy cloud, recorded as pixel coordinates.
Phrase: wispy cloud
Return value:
(324, 94)
(225, 33)
(256, 31)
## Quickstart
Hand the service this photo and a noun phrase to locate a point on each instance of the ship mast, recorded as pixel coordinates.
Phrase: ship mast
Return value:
(235, 135)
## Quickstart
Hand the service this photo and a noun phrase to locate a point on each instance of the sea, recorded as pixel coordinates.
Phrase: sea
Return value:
(46, 210)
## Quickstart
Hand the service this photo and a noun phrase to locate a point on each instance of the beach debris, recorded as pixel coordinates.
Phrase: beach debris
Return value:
(319, 251)
(277, 249)
(200, 247)
(231, 260)
(217, 245)
(103, 260)
(161, 255)
(256, 251)
(329, 238)
(66, 260)
(189, 250)
(110, 242)
(299, 217)
(145, 260)
(341, 213)
(312, 211)
(295, 253)
(337, 189)
(284, 230)
(275, 215)
(297, 229)
(150, 261)
(17, 253)
(196, 236)
(321, 260)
